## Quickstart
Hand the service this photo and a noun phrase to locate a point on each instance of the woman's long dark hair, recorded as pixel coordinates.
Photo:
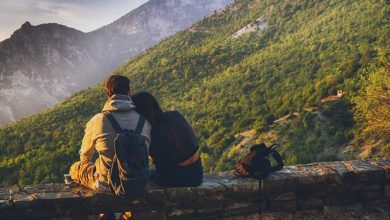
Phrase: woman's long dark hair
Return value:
(148, 106)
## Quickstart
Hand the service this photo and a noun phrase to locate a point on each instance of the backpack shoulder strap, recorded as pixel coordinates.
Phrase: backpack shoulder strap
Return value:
(113, 121)
(140, 125)
(278, 159)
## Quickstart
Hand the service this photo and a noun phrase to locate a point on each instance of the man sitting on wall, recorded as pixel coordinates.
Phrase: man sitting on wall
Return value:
(100, 135)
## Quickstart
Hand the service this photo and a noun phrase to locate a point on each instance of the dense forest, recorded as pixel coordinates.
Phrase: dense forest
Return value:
(224, 85)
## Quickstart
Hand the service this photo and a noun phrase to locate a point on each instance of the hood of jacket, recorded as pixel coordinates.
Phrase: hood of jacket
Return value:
(119, 103)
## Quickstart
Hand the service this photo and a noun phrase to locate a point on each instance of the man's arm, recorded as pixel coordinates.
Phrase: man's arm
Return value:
(88, 145)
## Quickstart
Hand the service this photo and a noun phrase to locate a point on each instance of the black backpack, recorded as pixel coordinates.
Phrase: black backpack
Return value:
(129, 169)
(256, 164)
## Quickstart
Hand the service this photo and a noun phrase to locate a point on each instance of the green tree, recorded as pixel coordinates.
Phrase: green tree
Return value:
(372, 108)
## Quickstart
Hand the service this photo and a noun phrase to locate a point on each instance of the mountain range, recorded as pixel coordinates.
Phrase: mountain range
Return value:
(298, 73)
(41, 65)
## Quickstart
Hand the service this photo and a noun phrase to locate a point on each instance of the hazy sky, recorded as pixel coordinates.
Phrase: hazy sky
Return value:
(84, 15)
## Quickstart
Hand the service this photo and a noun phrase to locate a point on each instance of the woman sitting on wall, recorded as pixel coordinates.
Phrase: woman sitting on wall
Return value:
(174, 147)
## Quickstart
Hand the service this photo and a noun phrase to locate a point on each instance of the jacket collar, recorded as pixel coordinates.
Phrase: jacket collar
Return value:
(119, 103)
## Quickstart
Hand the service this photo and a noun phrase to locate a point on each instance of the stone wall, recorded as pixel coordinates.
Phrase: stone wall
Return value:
(327, 190)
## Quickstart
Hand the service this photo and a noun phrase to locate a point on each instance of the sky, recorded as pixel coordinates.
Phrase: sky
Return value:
(84, 15)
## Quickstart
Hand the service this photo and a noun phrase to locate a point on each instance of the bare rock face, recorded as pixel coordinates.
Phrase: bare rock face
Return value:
(41, 65)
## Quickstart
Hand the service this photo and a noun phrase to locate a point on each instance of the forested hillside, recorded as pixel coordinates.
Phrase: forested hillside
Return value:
(286, 57)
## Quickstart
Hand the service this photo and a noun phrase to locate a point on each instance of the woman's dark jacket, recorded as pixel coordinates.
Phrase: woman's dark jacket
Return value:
(173, 141)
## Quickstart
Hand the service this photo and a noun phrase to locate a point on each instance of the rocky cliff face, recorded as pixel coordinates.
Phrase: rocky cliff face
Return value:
(41, 65)
(147, 25)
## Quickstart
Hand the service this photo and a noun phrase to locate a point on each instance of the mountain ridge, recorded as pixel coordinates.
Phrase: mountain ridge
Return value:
(88, 57)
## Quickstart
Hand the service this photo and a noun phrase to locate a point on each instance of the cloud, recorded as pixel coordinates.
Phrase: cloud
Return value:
(51, 7)
(85, 15)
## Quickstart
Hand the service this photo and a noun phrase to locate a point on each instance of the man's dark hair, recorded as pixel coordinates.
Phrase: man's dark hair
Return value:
(117, 84)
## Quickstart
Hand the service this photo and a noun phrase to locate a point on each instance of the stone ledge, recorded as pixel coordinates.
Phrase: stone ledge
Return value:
(320, 188)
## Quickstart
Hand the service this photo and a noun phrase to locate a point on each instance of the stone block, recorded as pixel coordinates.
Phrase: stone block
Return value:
(5, 205)
(336, 166)
(383, 164)
(5, 194)
(155, 215)
(109, 201)
(56, 200)
(156, 197)
(47, 188)
(363, 171)
(76, 188)
(211, 189)
(276, 216)
(244, 217)
(273, 183)
(321, 189)
(381, 206)
(15, 190)
(244, 211)
(387, 191)
(57, 196)
(233, 184)
(193, 215)
(342, 212)
(284, 196)
(280, 206)
(365, 187)
(263, 205)
(240, 205)
(234, 189)
(366, 196)
(23, 200)
(106, 202)
(181, 198)
(211, 210)
(210, 194)
(341, 199)
(309, 214)
(310, 203)
(286, 180)
(87, 194)
(316, 173)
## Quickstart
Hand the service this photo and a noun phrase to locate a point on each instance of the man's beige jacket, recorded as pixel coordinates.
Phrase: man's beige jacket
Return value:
(100, 135)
